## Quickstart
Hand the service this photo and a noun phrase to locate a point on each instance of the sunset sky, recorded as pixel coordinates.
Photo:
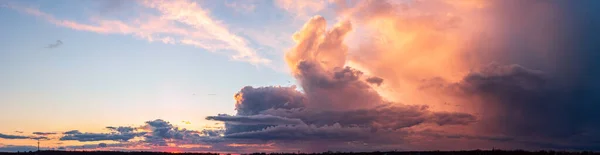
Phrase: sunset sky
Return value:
(307, 75)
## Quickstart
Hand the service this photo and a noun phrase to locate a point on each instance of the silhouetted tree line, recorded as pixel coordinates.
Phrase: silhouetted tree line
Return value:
(474, 152)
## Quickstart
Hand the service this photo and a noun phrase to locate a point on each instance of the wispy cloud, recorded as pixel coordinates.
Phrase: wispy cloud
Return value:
(193, 15)
(55, 45)
(177, 22)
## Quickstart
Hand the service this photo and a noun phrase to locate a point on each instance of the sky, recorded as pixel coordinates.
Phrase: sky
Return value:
(286, 76)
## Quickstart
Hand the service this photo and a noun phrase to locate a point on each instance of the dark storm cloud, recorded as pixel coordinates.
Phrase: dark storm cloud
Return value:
(55, 45)
(531, 104)
(44, 133)
(5, 136)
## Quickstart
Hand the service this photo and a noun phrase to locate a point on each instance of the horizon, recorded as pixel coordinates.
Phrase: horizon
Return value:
(299, 75)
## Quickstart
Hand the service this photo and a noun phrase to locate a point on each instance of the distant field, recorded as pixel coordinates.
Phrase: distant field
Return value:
(476, 152)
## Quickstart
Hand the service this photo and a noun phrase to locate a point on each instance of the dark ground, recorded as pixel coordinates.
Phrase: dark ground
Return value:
(475, 152)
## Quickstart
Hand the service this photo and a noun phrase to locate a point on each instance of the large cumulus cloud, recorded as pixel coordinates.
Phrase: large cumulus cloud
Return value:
(525, 80)
(335, 103)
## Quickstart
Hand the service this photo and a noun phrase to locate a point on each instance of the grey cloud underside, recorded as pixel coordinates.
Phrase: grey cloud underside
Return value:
(256, 120)
(121, 129)
(44, 133)
(304, 132)
(5, 136)
(84, 137)
(154, 133)
(117, 134)
(72, 132)
(162, 131)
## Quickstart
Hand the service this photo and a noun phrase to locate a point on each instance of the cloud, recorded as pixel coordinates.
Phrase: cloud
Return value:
(5, 136)
(192, 14)
(44, 133)
(154, 133)
(336, 103)
(251, 101)
(304, 132)
(162, 131)
(72, 132)
(55, 45)
(528, 103)
(121, 129)
(255, 120)
(178, 22)
(436, 60)
(540, 88)
(375, 80)
(120, 134)
(85, 137)
(40, 138)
